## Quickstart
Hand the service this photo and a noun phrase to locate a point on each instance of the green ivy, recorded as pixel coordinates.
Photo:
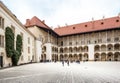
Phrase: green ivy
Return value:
(19, 44)
(9, 39)
(10, 51)
(15, 58)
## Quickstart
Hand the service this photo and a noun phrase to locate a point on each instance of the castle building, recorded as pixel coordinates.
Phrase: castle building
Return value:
(96, 40)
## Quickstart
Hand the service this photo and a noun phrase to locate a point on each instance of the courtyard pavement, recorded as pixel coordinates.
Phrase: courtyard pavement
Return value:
(85, 72)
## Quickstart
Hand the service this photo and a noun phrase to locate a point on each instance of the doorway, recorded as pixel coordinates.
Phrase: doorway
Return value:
(1, 61)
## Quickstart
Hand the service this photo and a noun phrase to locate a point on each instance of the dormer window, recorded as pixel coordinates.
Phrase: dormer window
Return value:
(102, 23)
(85, 25)
(73, 27)
(117, 20)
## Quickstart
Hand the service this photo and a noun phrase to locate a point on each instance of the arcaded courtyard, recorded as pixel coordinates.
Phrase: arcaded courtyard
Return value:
(85, 72)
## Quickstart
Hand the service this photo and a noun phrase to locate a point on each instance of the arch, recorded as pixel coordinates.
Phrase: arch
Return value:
(85, 48)
(97, 57)
(103, 47)
(109, 47)
(43, 57)
(110, 56)
(52, 49)
(56, 57)
(80, 57)
(70, 50)
(61, 50)
(116, 56)
(66, 50)
(103, 56)
(97, 48)
(75, 57)
(75, 49)
(61, 57)
(53, 57)
(70, 57)
(66, 57)
(86, 57)
(44, 48)
(80, 49)
(117, 47)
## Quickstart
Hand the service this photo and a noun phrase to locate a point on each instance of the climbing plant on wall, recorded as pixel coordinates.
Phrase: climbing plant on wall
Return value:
(10, 51)
(9, 40)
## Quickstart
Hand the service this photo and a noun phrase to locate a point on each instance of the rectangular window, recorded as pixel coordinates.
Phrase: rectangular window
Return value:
(1, 41)
(28, 49)
(1, 23)
(99, 40)
(28, 40)
(70, 43)
(61, 43)
(116, 39)
(108, 40)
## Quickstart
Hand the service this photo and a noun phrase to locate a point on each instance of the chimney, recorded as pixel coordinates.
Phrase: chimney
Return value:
(43, 21)
(27, 22)
(92, 19)
(103, 17)
(66, 24)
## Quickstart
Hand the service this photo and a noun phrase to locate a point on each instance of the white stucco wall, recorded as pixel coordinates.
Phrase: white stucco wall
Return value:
(38, 50)
(9, 20)
(91, 52)
(48, 51)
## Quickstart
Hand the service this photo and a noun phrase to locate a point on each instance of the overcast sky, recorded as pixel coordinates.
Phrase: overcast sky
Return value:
(61, 12)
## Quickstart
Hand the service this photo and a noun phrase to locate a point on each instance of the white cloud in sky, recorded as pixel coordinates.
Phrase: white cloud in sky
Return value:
(60, 12)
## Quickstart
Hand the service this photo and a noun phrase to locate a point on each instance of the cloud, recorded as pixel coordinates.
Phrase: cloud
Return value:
(60, 12)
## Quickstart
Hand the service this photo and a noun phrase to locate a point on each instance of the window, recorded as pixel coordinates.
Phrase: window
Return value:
(85, 25)
(76, 43)
(61, 43)
(73, 27)
(102, 23)
(117, 20)
(70, 43)
(28, 40)
(1, 41)
(108, 39)
(99, 40)
(1, 23)
(116, 39)
(28, 49)
(95, 42)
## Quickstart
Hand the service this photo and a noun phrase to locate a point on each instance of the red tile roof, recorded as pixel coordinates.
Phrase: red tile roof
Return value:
(103, 24)
(36, 22)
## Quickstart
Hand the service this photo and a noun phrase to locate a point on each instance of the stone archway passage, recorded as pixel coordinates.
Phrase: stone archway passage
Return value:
(97, 57)
(116, 56)
(103, 56)
(110, 56)
(61, 57)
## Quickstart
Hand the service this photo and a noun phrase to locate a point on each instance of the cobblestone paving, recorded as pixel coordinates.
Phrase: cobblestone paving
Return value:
(88, 72)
